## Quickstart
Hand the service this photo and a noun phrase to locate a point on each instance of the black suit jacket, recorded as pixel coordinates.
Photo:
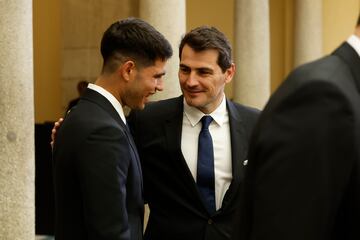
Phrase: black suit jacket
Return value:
(176, 209)
(98, 179)
(303, 179)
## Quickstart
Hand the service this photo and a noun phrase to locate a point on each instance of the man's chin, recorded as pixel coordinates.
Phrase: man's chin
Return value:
(191, 101)
(141, 107)
(138, 106)
(146, 100)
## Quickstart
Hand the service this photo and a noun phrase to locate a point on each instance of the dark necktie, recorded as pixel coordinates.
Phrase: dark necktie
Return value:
(205, 167)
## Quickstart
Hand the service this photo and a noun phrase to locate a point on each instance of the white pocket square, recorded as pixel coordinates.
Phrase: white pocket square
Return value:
(245, 162)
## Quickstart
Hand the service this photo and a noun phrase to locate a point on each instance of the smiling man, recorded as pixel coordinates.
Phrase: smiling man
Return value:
(193, 147)
(98, 179)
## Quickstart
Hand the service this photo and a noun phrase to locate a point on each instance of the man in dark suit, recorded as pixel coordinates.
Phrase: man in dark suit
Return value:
(303, 176)
(167, 132)
(98, 179)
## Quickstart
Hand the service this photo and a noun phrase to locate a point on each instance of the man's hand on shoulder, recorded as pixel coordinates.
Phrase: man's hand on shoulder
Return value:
(54, 130)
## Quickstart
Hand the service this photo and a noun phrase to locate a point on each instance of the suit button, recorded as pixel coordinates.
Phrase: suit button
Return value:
(210, 221)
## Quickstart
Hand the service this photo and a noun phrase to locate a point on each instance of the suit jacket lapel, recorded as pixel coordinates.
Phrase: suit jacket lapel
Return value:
(352, 59)
(100, 100)
(239, 147)
(173, 128)
(173, 125)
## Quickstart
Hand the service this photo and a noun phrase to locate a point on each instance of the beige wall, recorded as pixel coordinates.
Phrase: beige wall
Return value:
(339, 20)
(211, 12)
(47, 60)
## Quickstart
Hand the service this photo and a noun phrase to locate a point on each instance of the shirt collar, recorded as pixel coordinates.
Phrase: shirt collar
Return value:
(114, 102)
(354, 42)
(194, 115)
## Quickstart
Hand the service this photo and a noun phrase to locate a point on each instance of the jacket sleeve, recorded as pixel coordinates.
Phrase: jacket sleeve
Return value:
(300, 165)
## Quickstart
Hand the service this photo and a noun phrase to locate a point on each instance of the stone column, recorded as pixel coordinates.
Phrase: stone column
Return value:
(307, 31)
(252, 52)
(17, 161)
(168, 17)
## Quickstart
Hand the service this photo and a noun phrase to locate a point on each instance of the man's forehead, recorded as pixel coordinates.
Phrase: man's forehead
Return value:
(199, 60)
(188, 48)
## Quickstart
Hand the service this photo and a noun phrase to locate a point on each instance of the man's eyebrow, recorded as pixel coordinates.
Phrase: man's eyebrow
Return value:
(159, 74)
(204, 69)
(183, 65)
(197, 69)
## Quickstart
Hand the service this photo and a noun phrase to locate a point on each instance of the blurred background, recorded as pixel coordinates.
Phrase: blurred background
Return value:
(48, 47)
(67, 34)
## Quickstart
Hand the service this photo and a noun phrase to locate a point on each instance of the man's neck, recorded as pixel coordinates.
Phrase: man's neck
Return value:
(107, 83)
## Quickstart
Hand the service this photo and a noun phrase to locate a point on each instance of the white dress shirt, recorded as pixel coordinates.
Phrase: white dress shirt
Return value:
(354, 42)
(114, 102)
(220, 133)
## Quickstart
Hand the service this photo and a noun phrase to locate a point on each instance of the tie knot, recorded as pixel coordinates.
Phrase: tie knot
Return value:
(205, 121)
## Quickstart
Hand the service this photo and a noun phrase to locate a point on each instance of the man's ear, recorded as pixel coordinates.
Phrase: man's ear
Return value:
(229, 73)
(127, 70)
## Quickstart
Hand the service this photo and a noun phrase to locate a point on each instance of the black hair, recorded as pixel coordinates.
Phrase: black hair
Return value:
(134, 39)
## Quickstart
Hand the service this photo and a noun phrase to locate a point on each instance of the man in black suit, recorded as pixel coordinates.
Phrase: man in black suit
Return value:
(98, 179)
(303, 176)
(167, 132)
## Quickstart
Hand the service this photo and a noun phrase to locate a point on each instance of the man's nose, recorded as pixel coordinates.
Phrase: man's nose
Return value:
(191, 79)
(159, 85)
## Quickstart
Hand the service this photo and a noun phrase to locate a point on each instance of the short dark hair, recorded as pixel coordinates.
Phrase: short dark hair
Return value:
(358, 22)
(134, 39)
(204, 38)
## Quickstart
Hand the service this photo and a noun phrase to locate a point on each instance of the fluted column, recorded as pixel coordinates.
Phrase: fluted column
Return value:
(168, 17)
(307, 31)
(252, 52)
(17, 220)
